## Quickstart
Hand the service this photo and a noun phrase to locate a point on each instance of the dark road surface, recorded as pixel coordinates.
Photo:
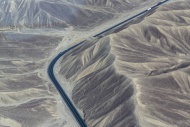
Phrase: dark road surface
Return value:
(69, 103)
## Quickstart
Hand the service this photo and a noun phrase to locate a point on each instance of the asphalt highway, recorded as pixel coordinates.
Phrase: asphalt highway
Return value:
(69, 103)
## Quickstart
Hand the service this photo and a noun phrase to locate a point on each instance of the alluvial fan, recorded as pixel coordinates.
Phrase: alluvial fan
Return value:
(139, 76)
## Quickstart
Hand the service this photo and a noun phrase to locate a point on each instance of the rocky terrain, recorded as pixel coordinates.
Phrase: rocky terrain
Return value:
(138, 76)
(81, 14)
(31, 32)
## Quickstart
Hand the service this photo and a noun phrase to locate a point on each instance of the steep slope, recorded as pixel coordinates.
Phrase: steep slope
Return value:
(31, 33)
(101, 92)
(112, 5)
(138, 76)
(61, 13)
(27, 13)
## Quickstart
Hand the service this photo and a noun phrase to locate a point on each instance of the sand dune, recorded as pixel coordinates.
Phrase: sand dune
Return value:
(138, 76)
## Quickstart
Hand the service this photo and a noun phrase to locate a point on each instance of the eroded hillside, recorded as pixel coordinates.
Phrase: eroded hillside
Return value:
(32, 33)
(63, 13)
(138, 76)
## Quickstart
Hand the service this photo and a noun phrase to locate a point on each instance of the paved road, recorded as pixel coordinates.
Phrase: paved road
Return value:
(70, 105)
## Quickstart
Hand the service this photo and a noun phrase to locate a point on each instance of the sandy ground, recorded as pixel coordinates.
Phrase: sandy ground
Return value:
(137, 76)
(27, 96)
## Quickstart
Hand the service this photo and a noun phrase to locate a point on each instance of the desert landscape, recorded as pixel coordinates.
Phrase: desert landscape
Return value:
(32, 33)
(137, 76)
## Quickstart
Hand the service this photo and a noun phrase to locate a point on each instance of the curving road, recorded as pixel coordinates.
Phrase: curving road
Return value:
(70, 105)
(60, 89)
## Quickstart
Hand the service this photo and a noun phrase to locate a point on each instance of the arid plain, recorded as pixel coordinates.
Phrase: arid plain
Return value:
(138, 76)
